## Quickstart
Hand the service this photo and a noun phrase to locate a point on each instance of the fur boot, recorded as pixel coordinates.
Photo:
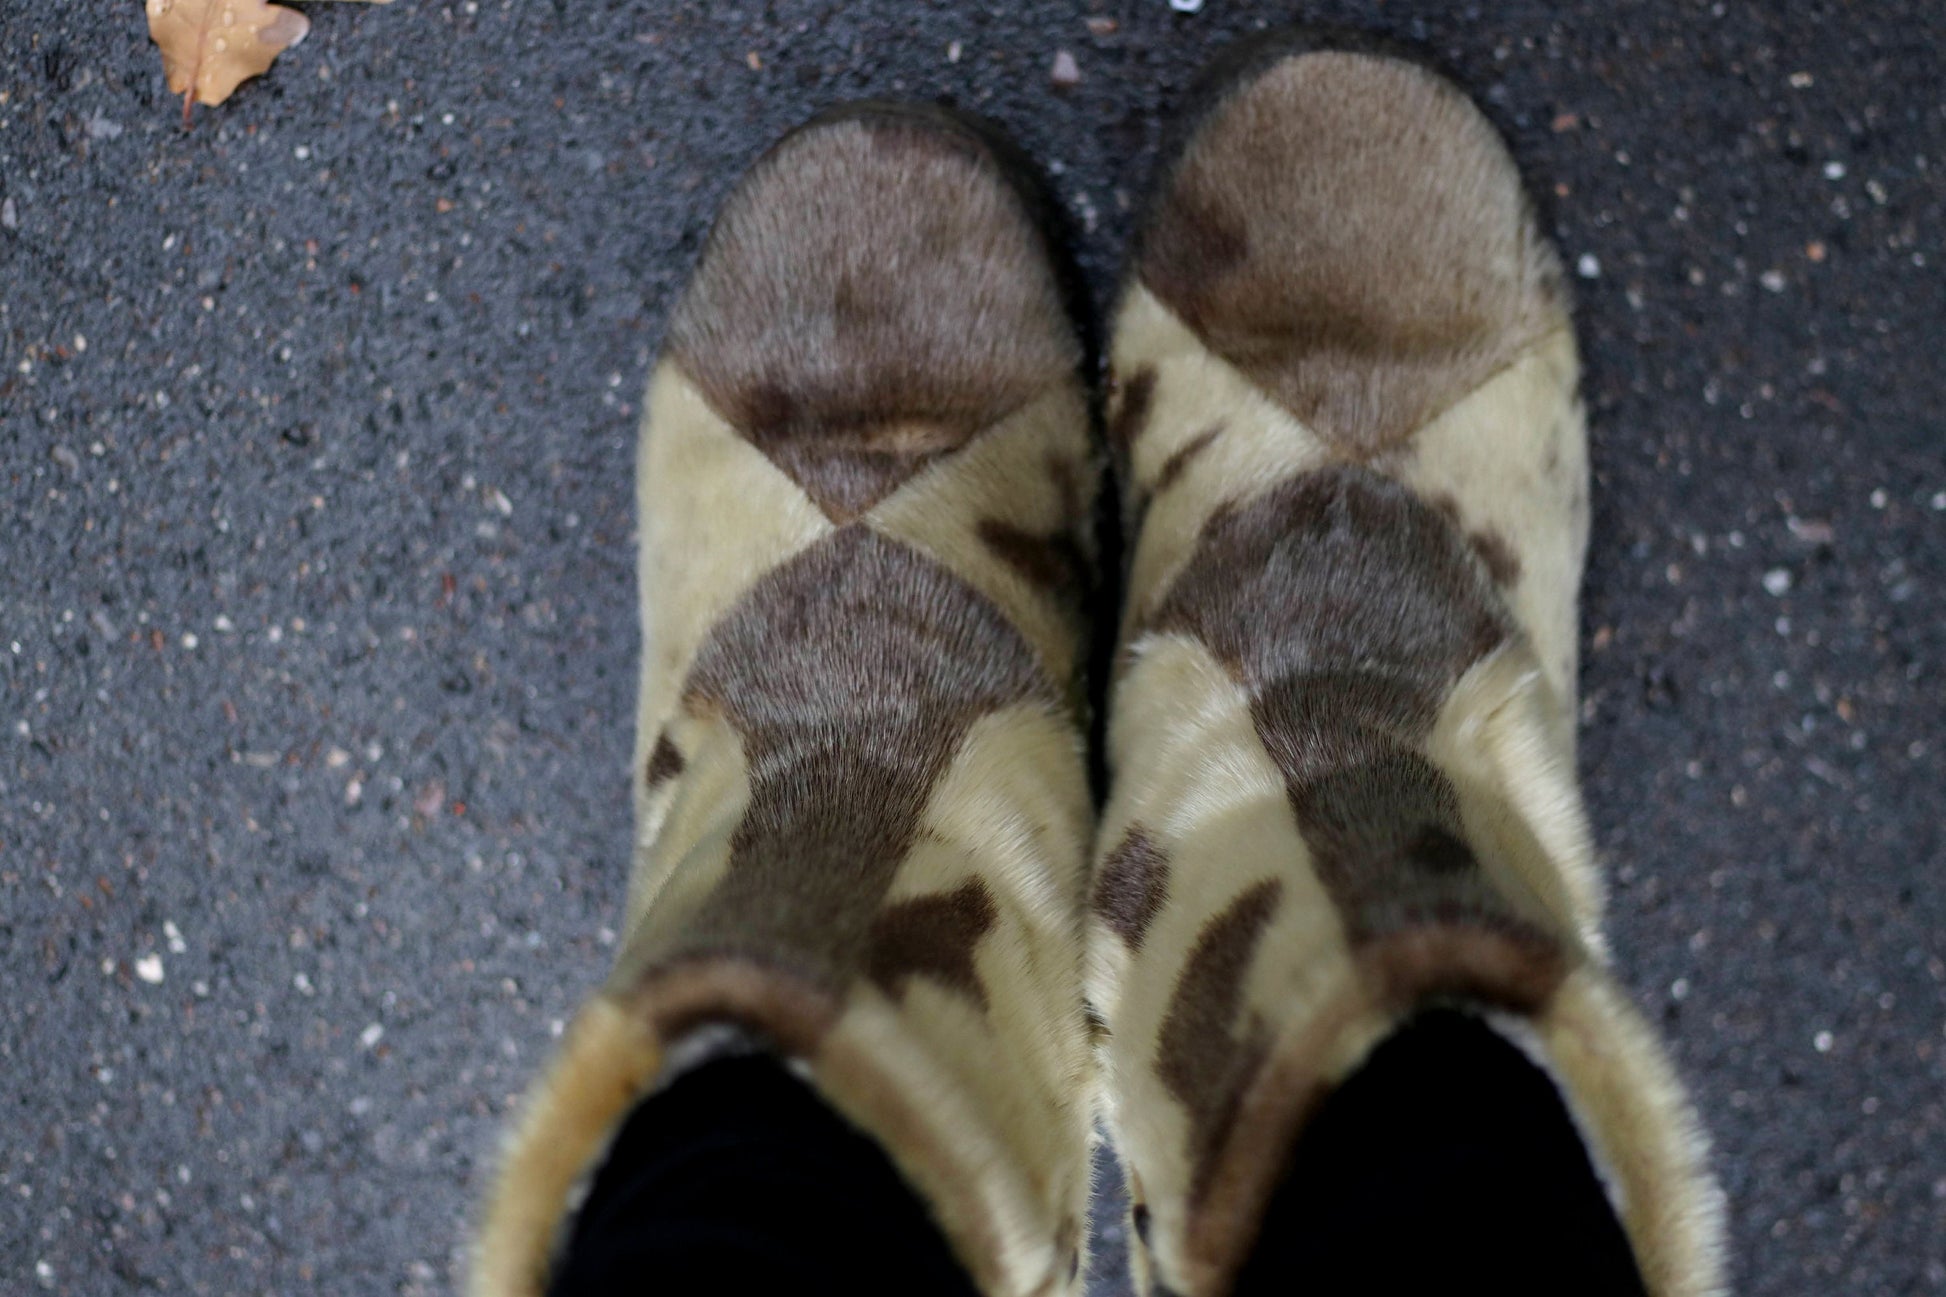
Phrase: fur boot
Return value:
(861, 803)
(1355, 475)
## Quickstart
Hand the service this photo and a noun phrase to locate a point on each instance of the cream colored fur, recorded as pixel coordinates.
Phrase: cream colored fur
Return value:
(1195, 390)
(1495, 740)
(687, 851)
(715, 515)
(1207, 792)
(1513, 457)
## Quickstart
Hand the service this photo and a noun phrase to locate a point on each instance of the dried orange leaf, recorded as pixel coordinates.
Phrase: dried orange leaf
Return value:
(210, 47)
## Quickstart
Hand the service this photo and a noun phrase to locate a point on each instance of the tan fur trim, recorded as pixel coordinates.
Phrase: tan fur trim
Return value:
(1643, 1131)
(866, 1060)
(1365, 1002)
(1611, 1072)
(1325, 1047)
(685, 995)
(605, 1063)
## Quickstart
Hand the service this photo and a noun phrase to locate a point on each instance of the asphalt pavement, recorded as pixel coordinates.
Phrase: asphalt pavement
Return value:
(317, 623)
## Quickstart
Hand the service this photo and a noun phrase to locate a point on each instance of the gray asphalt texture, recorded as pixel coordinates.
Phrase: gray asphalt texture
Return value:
(317, 621)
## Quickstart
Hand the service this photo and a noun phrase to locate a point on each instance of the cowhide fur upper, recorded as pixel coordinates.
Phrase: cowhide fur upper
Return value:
(1355, 472)
(862, 812)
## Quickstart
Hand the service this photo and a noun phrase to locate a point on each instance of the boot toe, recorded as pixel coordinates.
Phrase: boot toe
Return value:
(875, 292)
(1351, 233)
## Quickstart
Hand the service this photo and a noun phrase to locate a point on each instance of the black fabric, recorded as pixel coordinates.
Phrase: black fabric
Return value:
(738, 1179)
(1447, 1163)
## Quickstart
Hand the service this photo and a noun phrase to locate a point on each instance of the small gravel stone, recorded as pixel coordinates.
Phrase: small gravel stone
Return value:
(430, 799)
(1811, 532)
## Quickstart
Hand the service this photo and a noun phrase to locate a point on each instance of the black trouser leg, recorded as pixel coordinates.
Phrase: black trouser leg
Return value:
(1448, 1163)
(738, 1179)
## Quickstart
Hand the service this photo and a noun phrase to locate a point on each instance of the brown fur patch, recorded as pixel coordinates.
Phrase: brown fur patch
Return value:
(1201, 1055)
(932, 937)
(1132, 885)
(851, 674)
(678, 996)
(1067, 1242)
(1097, 1025)
(1067, 476)
(1479, 957)
(1350, 233)
(664, 763)
(1134, 399)
(1349, 609)
(1338, 573)
(1054, 563)
(1502, 563)
(1178, 463)
(873, 295)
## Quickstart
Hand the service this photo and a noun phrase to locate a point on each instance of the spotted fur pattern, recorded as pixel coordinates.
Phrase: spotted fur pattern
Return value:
(1355, 468)
(862, 814)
